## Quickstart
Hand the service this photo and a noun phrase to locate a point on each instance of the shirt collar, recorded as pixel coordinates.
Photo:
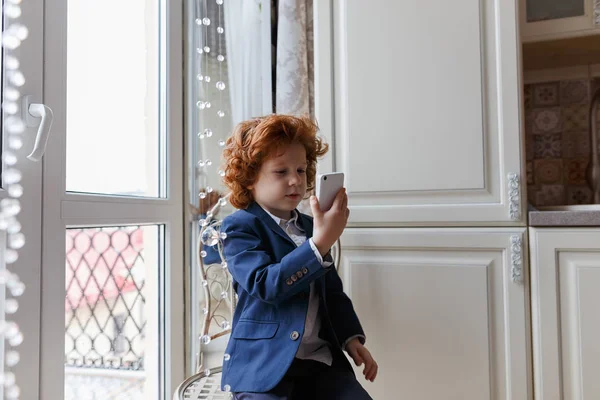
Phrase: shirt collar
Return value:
(283, 222)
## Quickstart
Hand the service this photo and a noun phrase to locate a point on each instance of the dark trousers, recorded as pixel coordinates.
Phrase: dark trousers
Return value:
(312, 380)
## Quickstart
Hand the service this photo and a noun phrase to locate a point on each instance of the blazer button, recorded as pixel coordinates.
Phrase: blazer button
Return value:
(294, 278)
(304, 270)
(299, 274)
(294, 335)
(289, 282)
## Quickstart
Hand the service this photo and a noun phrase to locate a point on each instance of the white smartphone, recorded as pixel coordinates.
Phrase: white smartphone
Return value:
(328, 186)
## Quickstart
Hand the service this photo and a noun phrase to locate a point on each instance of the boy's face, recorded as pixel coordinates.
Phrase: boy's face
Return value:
(281, 181)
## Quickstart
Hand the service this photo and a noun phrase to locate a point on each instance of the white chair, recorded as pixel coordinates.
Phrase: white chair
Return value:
(206, 382)
(199, 386)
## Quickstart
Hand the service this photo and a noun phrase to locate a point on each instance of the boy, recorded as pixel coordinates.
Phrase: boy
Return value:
(292, 320)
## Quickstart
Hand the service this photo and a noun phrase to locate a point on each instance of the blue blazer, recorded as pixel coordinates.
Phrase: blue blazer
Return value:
(268, 322)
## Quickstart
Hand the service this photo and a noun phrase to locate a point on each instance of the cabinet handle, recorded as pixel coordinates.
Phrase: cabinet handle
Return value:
(514, 196)
(516, 258)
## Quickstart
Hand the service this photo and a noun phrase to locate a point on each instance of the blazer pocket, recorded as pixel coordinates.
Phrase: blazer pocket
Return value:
(250, 329)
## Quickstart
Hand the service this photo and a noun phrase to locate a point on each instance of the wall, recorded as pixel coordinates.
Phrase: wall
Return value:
(557, 140)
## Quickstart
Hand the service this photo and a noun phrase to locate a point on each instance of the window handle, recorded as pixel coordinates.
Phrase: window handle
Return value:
(35, 111)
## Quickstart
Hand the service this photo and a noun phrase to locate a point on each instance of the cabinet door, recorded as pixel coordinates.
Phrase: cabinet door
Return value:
(565, 277)
(552, 19)
(443, 310)
(427, 111)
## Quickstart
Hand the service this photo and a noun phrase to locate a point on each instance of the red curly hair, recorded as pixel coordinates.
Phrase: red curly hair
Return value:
(257, 139)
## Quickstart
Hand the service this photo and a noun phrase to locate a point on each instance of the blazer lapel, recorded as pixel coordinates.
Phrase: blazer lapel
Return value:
(257, 210)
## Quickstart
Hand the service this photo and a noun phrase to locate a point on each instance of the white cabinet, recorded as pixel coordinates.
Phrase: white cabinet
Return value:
(444, 310)
(555, 19)
(565, 277)
(426, 120)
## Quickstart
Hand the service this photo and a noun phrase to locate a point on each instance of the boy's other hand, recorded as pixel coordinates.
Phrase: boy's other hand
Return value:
(329, 225)
(360, 355)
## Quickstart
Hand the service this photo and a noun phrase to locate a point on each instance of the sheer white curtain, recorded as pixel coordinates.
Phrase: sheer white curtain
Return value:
(248, 41)
(295, 61)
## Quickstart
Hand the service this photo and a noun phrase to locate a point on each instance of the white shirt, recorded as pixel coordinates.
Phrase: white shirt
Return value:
(312, 346)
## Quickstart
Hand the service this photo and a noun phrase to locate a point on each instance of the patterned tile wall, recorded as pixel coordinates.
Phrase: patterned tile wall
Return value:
(557, 141)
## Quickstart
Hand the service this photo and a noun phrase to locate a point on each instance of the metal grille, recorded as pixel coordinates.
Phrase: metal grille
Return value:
(104, 305)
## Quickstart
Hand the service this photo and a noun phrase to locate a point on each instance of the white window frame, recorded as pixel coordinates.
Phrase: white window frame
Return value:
(62, 209)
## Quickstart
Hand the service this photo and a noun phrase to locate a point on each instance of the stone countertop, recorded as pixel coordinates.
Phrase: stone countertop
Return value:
(565, 217)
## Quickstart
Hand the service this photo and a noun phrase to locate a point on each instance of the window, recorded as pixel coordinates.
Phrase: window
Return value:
(107, 310)
(114, 141)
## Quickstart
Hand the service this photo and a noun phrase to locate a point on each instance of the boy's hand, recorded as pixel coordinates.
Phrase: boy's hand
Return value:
(360, 355)
(329, 225)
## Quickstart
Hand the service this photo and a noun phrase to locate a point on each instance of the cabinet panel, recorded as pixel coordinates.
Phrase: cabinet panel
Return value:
(427, 120)
(443, 316)
(565, 270)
